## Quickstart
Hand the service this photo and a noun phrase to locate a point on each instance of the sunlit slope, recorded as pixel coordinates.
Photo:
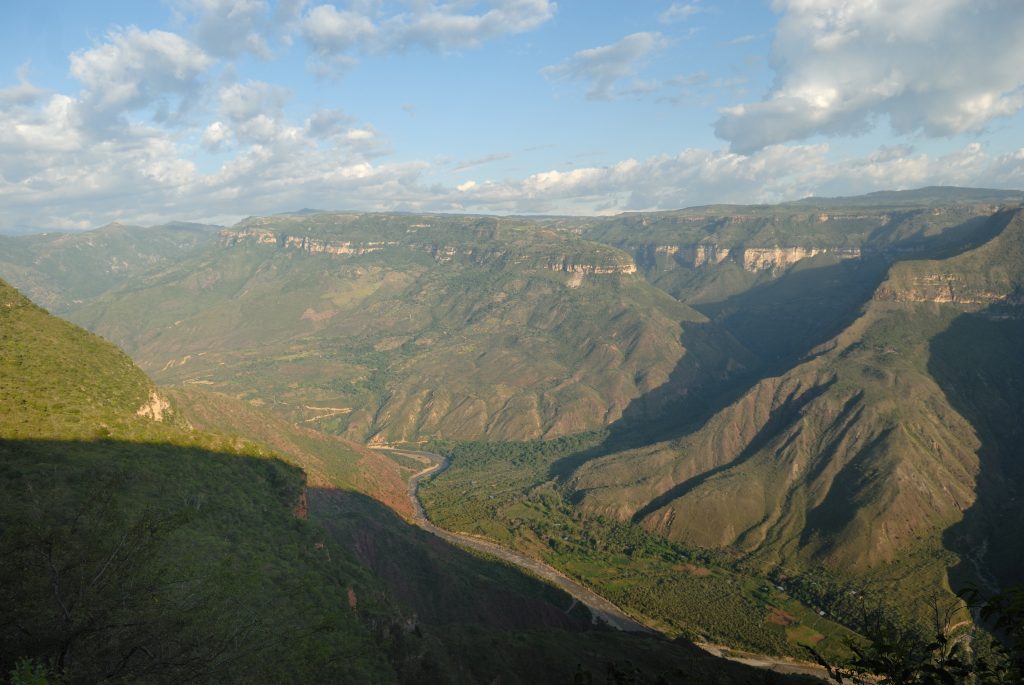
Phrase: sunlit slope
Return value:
(61, 381)
(866, 453)
(62, 270)
(462, 327)
(329, 461)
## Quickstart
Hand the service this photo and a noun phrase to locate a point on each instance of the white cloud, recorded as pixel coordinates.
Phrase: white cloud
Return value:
(324, 123)
(603, 67)
(679, 11)
(940, 67)
(228, 28)
(444, 27)
(330, 30)
(22, 94)
(338, 35)
(139, 69)
(59, 168)
(216, 136)
(695, 177)
(244, 101)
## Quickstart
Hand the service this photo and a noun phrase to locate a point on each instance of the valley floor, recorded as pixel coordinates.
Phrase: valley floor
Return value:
(599, 606)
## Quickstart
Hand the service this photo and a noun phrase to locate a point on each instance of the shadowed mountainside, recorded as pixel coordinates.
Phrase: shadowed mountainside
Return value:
(855, 457)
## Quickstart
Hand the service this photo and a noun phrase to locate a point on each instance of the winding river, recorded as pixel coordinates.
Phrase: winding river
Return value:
(599, 606)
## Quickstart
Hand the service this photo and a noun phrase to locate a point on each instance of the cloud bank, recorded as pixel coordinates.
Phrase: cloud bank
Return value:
(935, 67)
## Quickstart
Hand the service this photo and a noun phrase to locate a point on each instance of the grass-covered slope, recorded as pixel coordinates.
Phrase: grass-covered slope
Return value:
(329, 461)
(156, 553)
(450, 326)
(134, 550)
(863, 456)
(62, 381)
(61, 270)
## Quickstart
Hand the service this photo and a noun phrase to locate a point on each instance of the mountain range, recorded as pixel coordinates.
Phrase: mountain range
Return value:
(826, 384)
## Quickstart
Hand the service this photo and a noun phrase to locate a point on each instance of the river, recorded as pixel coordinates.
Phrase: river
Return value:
(599, 606)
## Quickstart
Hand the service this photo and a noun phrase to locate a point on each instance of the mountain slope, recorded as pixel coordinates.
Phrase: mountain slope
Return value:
(160, 554)
(130, 558)
(864, 455)
(60, 270)
(461, 327)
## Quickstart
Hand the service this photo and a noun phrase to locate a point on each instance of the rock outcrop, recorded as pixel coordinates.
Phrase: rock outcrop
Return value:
(616, 264)
(155, 408)
(259, 236)
(753, 259)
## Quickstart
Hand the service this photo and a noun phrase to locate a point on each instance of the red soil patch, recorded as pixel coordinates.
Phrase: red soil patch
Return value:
(780, 617)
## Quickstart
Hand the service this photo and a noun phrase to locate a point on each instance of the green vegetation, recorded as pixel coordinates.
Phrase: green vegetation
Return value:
(503, 491)
(61, 270)
(152, 553)
(468, 327)
(126, 562)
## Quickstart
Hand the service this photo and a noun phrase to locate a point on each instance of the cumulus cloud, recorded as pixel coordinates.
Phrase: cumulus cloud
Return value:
(216, 136)
(330, 30)
(938, 67)
(228, 28)
(59, 168)
(139, 69)
(325, 123)
(337, 36)
(602, 68)
(773, 174)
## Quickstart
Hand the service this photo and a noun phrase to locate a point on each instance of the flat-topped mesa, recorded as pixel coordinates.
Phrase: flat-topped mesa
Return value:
(262, 236)
(339, 247)
(752, 259)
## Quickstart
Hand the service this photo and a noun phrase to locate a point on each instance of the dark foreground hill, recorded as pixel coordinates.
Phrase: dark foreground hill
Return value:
(136, 549)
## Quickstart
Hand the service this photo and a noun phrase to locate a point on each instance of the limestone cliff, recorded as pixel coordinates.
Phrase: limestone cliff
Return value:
(753, 259)
(608, 262)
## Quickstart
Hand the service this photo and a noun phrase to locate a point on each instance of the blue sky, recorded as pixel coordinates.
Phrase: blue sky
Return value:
(217, 109)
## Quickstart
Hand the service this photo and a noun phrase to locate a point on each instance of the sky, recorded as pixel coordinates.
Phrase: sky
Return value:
(212, 110)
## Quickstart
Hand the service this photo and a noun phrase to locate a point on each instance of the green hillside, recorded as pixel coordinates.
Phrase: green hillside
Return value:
(61, 270)
(461, 327)
(134, 550)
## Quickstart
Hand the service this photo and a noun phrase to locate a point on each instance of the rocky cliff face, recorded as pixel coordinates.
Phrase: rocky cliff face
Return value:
(615, 264)
(258, 236)
(753, 259)
(941, 288)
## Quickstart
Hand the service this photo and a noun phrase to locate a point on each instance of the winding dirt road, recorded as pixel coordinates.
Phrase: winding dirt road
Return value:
(598, 605)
